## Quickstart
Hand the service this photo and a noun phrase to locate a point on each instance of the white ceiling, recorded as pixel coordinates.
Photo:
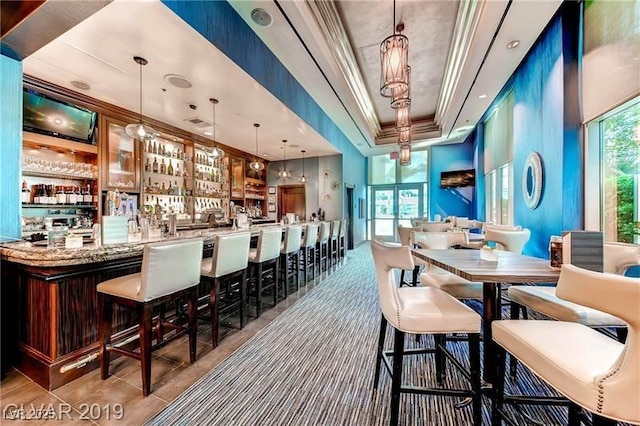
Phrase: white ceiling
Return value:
(99, 52)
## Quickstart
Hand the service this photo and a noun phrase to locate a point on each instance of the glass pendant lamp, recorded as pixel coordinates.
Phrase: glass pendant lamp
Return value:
(256, 164)
(140, 130)
(303, 178)
(284, 173)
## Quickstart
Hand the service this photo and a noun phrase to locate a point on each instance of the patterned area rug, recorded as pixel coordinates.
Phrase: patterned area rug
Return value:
(314, 365)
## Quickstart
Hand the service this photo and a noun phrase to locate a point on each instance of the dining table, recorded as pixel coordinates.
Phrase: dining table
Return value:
(509, 268)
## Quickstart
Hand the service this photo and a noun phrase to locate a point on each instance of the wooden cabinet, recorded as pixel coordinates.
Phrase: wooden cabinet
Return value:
(59, 183)
(119, 157)
(237, 178)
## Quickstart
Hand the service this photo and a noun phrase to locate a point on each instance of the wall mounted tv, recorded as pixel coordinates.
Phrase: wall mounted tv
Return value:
(48, 116)
(457, 178)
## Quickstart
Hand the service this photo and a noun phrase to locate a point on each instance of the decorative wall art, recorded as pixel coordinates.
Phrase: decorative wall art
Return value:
(532, 180)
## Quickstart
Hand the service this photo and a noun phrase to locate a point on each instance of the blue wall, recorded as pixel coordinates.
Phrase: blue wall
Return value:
(451, 201)
(219, 23)
(546, 120)
(10, 147)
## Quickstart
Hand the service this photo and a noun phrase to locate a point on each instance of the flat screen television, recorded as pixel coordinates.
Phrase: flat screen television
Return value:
(457, 178)
(48, 116)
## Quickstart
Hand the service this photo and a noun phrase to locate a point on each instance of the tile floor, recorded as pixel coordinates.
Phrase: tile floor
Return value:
(91, 400)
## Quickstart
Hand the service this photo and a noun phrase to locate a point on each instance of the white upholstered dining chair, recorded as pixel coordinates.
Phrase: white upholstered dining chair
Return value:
(594, 372)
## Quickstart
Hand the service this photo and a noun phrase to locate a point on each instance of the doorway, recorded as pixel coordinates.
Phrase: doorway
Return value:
(393, 205)
(292, 199)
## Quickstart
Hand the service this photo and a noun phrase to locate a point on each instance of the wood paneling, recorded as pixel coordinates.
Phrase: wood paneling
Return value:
(13, 12)
(292, 199)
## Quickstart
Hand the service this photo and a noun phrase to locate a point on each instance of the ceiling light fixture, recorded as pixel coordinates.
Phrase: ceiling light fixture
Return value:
(402, 99)
(139, 130)
(404, 136)
(403, 119)
(256, 165)
(482, 96)
(216, 152)
(303, 178)
(513, 44)
(283, 173)
(394, 57)
(405, 154)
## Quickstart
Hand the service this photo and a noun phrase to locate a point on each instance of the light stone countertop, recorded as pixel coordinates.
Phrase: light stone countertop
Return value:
(25, 253)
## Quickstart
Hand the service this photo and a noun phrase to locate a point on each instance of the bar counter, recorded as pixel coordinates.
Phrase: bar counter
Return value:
(49, 302)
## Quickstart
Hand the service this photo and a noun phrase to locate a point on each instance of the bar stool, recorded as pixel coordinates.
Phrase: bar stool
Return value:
(290, 256)
(169, 271)
(226, 267)
(405, 234)
(422, 310)
(323, 242)
(308, 250)
(265, 258)
(594, 372)
(342, 239)
(333, 241)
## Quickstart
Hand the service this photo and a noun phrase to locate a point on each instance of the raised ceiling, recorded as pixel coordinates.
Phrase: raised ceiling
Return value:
(457, 53)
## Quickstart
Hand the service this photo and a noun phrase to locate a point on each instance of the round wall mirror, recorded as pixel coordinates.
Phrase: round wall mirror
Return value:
(532, 180)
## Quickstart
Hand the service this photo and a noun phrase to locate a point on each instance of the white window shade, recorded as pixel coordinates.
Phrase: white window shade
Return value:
(611, 63)
(498, 136)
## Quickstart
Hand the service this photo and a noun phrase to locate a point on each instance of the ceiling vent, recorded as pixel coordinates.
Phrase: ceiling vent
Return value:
(198, 122)
(177, 81)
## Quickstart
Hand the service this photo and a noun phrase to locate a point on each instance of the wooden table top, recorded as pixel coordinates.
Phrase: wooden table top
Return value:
(510, 267)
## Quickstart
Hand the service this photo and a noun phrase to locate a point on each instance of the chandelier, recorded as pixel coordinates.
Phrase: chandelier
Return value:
(404, 136)
(256, 165)
(403, 119)
(216, 152)
(405, 154)
(394, 57)
(139, 130)
(303, 178)
(402, 98)
(284, 173)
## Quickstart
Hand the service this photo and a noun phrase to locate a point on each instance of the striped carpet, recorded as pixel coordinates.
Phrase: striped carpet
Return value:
(313, 365)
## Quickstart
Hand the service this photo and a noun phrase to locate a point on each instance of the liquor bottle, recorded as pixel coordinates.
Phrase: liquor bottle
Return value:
(147, 166)
(88, 196)
(176, 188)
(61, 197)
(163, 190)
(170, 169)
(155, 147)
(155, 164)
(25, 194)
(170, 189)
(36, 195)
(163, 168)
(178, 172)
(51, 195)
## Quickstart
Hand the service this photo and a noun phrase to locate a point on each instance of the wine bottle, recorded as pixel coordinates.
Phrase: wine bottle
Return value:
(61, 197)
(178, 172)
(25, 195)
(170, 169)
(147, 166)
(88, 197)
(163, 168)
(155, 164)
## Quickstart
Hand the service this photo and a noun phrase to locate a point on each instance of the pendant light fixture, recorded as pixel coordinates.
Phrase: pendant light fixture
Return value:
(403, 118)
(256, 165)
(394, 59)
(303, 178)
(216, 152)
(405, 154)
(284, 173)
(402, 98)
(139, 130)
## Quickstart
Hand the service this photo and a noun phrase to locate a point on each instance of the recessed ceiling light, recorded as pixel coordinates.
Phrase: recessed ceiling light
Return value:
(208, 133)
(177, 81)
(261, 17)
(482, 96)
(265, 155)
(463, 129)
(80, 85)
(513, 44)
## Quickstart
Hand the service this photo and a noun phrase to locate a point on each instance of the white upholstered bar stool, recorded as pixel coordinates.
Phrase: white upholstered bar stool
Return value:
(323, 245)
(422, 310)
(308, 251)
(290, 256)
(405, 234)
(169, 271)
(226, 270)
(436, 226)
(333, 242)
(262, 259)
(432, 276)
(618, 258)
(342, 239)
(594, 372)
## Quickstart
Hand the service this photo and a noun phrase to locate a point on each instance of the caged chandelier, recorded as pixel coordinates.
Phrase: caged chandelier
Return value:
(139, 130)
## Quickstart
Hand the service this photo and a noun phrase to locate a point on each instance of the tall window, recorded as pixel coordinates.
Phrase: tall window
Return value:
(614, 139)
(498, 163)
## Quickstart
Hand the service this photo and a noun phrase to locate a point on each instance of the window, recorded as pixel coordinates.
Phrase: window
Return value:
(498, 163)
(614, 156)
